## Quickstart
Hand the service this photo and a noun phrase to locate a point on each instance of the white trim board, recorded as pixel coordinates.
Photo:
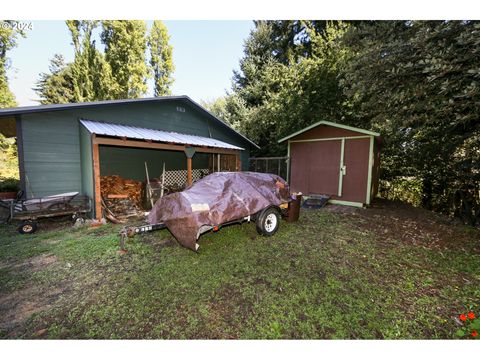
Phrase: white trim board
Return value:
(370, 171)
(347, 203)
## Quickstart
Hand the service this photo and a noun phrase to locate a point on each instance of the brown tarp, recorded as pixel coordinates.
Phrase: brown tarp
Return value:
(216, 199)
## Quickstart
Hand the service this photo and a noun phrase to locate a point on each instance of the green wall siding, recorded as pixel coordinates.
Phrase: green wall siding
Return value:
(130, 162)
(51, 155)
(58, 152)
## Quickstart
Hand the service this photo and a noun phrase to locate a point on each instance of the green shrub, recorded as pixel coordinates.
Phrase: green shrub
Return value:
(9, 185)
(407, 189)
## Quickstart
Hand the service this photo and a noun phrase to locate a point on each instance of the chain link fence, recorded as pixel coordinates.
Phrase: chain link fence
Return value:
(271, 165)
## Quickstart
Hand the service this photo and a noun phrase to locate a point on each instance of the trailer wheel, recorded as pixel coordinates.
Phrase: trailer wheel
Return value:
(268, 222)
(27, 227)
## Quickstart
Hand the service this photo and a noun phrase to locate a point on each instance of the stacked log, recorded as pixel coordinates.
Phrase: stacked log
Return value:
(122, 196)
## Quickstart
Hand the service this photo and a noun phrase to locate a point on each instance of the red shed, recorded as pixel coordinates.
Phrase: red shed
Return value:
(336, 160)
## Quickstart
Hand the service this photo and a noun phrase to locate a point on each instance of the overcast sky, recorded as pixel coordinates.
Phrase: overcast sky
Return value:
(204, 53)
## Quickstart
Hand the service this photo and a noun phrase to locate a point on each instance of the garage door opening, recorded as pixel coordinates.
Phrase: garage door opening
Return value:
(122, 156)
(124, 187)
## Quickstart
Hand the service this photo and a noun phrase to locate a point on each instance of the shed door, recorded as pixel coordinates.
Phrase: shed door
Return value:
(315, 166)
(356, 164)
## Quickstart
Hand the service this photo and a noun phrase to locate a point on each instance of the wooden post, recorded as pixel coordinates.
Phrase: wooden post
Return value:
(189, 171)
(189, 152)
(96, 179)
(239, 163)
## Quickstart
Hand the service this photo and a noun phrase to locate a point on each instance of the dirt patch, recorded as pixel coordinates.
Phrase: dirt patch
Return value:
(342, 209)
(33, 264)
(36, 263)
(42, 260)
(227, 309)
(17, 307)
(416, 226)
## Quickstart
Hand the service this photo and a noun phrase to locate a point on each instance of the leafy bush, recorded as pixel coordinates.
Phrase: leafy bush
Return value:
(9, 185)
(8, 158)
(407, 189)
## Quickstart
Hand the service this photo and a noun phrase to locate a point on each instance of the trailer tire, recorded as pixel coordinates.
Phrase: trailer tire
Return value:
(268, 221)
(27, 227)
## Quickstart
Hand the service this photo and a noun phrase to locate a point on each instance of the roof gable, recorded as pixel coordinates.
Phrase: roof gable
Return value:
(329, 123)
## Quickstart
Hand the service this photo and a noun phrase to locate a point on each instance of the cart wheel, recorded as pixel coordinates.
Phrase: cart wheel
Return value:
(27, 227)
(268, 222)
(78, 219)
(4, 214)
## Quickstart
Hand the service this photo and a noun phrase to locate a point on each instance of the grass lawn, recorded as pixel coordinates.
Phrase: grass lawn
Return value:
(390, 271)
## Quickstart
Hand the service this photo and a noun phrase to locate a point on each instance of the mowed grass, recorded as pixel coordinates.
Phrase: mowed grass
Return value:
(324, 277)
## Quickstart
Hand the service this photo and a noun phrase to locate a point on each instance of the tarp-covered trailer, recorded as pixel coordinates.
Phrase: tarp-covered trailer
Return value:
(219, 199)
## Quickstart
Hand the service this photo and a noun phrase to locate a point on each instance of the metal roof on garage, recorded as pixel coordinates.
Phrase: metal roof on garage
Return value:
(133, 132)
(58, 107)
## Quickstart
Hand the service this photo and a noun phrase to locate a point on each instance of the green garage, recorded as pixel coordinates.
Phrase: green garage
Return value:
(67, 147)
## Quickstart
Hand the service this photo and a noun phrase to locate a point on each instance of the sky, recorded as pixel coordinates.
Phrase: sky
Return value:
(205, 53)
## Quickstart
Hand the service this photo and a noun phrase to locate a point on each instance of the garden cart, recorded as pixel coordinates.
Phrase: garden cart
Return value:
(28, 212)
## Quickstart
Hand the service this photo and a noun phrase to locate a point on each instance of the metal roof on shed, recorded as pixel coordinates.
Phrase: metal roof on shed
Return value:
(133, 132)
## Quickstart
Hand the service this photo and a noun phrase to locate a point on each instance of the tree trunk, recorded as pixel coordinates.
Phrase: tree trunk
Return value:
(427, 193)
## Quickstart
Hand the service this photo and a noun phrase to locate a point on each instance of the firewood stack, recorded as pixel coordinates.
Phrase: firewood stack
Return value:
(122, 196)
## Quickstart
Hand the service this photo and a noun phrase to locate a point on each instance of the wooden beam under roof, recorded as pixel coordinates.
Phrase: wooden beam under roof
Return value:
(159, 146)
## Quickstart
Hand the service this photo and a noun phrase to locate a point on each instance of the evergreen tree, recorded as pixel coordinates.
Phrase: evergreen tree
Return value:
(56, 87)
(281, 96)
(161, 60)
(418, 82)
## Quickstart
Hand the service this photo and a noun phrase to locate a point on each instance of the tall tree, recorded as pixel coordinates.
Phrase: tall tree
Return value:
(161, 60)
(57, 86)
(418, 82)
(283, 96)
(8, 40)
(230, 108)
(91, 74)
(87, 78)
(281, 41)
(125, 46)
